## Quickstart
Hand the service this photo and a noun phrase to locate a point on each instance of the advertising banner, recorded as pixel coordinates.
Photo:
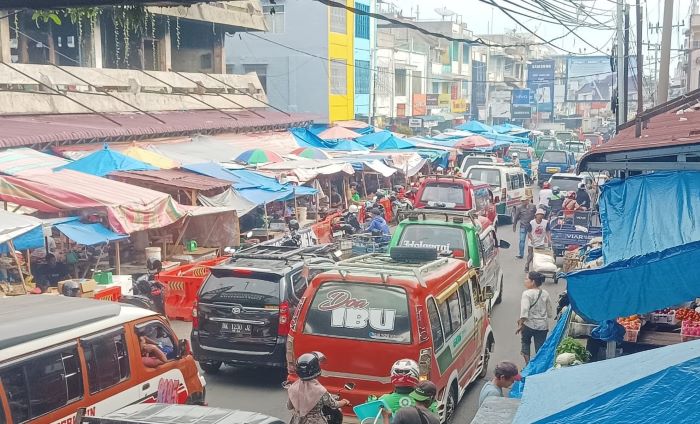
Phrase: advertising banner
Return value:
(521, 108)
(444, 101)
(420, 105)
(431, 101)
(459, 106)
(589, 79)
(540, 81)
(500, 104)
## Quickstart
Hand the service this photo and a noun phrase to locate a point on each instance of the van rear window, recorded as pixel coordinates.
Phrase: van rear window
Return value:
(360, 311)
(440, 237)
(490, 176)
(443, 193)
(554, 157)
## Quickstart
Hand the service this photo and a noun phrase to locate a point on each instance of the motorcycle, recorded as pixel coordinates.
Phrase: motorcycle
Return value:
(147, 291)
(332, 415)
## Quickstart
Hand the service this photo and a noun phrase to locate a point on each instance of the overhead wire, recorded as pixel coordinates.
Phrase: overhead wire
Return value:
(573, 32)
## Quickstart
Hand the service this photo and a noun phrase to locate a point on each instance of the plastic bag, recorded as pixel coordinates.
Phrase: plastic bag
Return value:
(543, 263)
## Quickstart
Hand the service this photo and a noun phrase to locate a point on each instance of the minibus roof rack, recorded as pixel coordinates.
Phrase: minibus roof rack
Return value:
(273, 252)
(445, 214)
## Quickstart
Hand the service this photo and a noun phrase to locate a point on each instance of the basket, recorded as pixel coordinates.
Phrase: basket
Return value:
(631, 336)
(370, 412)
(684, 333)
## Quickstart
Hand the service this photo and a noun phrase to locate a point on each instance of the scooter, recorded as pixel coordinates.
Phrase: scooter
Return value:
(147, 291)
(332, 415)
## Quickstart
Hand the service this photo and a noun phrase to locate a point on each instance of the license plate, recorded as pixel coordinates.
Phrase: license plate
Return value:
(551, 170)
(236, 328)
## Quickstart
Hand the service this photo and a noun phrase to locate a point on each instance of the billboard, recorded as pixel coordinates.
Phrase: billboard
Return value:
(540, 81)
(500, 104)
(589, 79)
(459, 106)
(420, 105)
(521, 108)
(431, 101)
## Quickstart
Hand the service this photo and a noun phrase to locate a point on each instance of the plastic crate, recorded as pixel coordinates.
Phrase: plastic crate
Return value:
(684, 333)
(631, 336)
(668, 319)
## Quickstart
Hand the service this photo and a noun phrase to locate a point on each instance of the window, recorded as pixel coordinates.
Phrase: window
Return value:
(400, 82)
(491, 177)
(445, 319)
(339, 18)
(565, 183)
(384, 81)
(555, 157)
(339, 77)
(107, 360)
(435, 325)
(482, 199)
(300, 282)
(362, 77)
(362, 21)
(443, 193)
(442, 238)
(260, 71)
(417, 82)
(255, 290)
(454, 51)
(453, 306)
(274, 17)
(466, 301)
(488, 245)
(515, 181)
(465, 53)
(42, 384)
(378, 312)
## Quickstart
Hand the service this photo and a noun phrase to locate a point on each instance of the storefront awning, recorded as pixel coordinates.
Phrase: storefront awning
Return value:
(88, 234)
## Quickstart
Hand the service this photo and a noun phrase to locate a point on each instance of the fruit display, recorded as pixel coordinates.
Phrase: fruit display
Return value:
(686, 314)
(632, 326)
(690, 330)
(664, 316)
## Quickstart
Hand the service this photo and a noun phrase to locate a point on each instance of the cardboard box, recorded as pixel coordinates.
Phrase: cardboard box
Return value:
(87, 287)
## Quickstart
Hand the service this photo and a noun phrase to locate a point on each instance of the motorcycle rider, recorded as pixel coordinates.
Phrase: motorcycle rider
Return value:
(351, 218)
(378, 226)
(556, 201)
(307, 398)
(545, 194)
(404, 377)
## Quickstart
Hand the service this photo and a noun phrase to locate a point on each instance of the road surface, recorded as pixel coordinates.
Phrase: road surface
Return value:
(260, 389)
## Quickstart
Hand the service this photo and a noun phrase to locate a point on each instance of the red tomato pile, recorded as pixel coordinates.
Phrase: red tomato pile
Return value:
(685, 314)
(631, 323)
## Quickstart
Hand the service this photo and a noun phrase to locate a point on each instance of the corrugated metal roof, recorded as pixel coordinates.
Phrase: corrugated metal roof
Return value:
(175, 178)
(46, 129)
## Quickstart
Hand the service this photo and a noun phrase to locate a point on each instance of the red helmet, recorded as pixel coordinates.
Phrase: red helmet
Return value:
(545, 184)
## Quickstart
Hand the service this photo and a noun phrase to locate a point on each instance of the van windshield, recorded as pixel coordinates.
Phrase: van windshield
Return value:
(360, 311)
(475, 160)
(243, 287)
(443, 193)
(440, 237)
(554, 157)
(490, 176)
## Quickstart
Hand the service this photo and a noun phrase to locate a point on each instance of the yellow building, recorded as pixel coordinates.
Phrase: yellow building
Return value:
(341, 80)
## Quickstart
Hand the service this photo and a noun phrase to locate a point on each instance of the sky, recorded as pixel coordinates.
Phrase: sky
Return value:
(482, 18)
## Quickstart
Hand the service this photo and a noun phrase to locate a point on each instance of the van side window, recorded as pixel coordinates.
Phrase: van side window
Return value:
(42, 384)
(509, 182)
(159, 344)
(107, 359)
(445, 319)
(466, 301)
(453, 306)
(488, 246)
(482, 198)
(435, 325)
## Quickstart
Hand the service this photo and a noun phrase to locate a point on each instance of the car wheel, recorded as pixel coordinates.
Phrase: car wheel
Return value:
(487, 356)
(500, 294)
(451, 405)
(212, 367)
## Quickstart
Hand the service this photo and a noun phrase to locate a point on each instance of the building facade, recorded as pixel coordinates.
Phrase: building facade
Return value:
(365, 29)
(307, 58)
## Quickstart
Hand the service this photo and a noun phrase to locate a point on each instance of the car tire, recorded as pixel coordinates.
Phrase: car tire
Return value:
(487, 356)
(212, 367)
(451, 406)
(500, 294)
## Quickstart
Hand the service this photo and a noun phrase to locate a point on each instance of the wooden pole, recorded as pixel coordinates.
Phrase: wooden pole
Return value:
(364, 184)
(346, 190)
(117, 258)
(29, 262)
(13, 252)
(194, 198)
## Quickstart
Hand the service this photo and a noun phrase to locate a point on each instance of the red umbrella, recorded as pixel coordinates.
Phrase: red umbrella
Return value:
(473, 142)
(338, 133)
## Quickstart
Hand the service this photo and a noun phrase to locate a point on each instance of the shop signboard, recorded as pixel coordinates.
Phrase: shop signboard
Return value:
(415, 123)
(444, 101)
(520, 102)
(540, 81)
(500, 104)
(459, 106)
(420, 105)
(431, 101)
(430, 124)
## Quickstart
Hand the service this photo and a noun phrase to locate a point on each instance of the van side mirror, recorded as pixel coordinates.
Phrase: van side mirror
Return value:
(488, 292)
(502, 244)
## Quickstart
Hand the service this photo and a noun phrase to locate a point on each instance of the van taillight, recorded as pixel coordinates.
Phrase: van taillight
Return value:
(195, 316)
(284, 322)
(458, 253)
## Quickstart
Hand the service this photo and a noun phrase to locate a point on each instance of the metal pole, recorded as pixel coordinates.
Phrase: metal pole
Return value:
(640, 70)
(620, 59)
(626, 68)
(662, 95)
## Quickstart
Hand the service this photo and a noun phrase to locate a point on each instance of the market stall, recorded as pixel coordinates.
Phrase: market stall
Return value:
(12, 267)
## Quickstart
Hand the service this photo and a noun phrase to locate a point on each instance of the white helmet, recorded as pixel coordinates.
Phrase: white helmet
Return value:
(405, 373)
(353, 209)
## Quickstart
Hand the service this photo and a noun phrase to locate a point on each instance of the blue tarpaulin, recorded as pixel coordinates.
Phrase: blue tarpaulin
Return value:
(476, 127)
(88, 234)
(106, 161)
(214, 170)
(654, 386)
(306, 138)
(651, 242)
(375, 139)
(395, 143)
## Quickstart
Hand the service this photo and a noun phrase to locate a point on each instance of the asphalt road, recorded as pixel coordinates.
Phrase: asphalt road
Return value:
(260, 389)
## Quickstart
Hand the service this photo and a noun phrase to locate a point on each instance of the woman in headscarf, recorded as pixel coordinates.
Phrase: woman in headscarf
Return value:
(308, 397)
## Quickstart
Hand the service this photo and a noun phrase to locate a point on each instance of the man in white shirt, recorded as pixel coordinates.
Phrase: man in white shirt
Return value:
(538, 235)
(535, 311)
(545, 194)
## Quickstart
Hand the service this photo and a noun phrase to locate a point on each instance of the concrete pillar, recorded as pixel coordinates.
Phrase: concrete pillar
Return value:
(5, 37)
(165, 47)
(95, 45)
(219, 58)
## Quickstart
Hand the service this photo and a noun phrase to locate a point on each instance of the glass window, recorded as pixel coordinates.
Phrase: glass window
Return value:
(445, 319)
(465, 53)
(435, 325)
(555, 157)
(442, 238)
(339, 18)
(491, 177)
(362, 77)
(255, 289)
(260, 71)
(107, 360)
(339, 77)
(453, 306)
(482, 198)
(444, 193)
(400, 82)
(417, 82)
(43, 383)
(488, 245)
(565, 183)
(274, 16)
(368, 312)
(466, 301)
(362, 21)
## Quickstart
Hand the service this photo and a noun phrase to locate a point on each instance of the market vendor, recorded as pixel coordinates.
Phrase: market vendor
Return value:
(354, 195)
(50, 273)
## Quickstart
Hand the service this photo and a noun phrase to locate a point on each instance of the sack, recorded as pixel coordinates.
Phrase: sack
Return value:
(543, 263)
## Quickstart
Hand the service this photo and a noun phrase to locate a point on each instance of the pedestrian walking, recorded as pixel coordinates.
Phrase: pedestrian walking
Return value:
(505, 374)
(524, 213)
(538, 236)
(535, 311)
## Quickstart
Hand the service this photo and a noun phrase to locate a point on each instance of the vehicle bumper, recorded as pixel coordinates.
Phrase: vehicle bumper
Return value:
(238, 355)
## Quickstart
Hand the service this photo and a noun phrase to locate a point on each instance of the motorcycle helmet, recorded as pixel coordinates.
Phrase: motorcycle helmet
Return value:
(582, 185)
(405, 373)
(545, 184)
(71, 288)
(309, 365)
(376, 211)
(154, 265)
(293, 225)
(555, 190)
(353, 209)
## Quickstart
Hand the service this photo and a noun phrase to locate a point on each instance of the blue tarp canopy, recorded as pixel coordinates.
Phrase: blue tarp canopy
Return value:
(511, 130)
(306, 138)
(375, 139)
(87, 234)
(476, 127)
(24, 231)
(106, 161)
(651, 241)
(215, 170)
(395, 143)
(654, 386)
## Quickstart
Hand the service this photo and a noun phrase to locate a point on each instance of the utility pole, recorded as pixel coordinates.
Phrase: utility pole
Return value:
(640, 70)
(626, 68)
(662, 95)
(620, 60)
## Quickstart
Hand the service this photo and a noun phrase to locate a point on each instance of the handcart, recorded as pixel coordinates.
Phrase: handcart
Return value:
(544, 262)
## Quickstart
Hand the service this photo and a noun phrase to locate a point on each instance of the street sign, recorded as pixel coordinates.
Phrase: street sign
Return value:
(520, 102)
(430, 124)
(415, 123)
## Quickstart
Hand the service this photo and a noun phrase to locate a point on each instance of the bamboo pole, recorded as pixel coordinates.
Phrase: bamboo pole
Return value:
(117, 258)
